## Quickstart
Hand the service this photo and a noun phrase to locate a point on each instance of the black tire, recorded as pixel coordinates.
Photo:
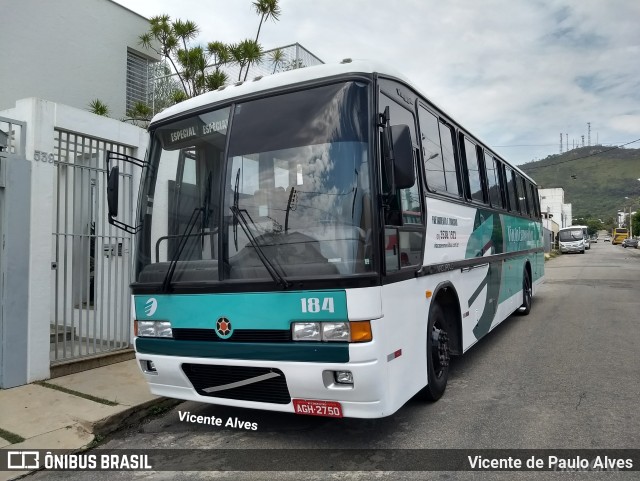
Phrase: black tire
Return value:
(527, 294)
(437, 356)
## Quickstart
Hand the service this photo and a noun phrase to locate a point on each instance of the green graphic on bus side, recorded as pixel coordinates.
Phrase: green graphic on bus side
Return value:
(487, 236)
(497, 234)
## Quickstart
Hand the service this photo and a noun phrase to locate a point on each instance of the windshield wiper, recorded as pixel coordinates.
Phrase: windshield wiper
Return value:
(236, 197)
(166, 284)
(273, 272)
(184, 238)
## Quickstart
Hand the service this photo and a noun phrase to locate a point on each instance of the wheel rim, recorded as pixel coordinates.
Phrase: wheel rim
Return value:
(439, 350)
(526, 289)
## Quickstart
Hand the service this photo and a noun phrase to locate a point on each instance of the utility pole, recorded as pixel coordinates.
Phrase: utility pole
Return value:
(583, 140)
(567, 136)
(588, 134)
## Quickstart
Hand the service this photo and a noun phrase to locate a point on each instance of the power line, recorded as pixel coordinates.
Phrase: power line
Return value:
(527, 169)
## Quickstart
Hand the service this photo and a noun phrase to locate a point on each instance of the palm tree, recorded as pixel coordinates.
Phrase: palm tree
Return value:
(277, 58)
(162, 31)
(267, 9)
(98, 107)
(244, 54)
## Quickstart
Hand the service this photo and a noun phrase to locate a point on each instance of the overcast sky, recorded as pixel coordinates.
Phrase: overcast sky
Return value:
(516, 73)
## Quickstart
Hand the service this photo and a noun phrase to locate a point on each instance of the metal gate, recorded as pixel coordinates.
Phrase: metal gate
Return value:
(92, 259)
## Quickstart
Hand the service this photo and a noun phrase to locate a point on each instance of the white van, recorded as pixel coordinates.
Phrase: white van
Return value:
(572, 239)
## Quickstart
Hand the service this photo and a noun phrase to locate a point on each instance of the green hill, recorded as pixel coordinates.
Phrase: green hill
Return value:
(595, 179)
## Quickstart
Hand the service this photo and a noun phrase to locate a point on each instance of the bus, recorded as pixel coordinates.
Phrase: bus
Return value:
(618, 234)
(587, 237)
(321, 241)
(572, 239)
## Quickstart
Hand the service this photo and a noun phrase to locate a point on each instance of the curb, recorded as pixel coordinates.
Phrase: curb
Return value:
(131, 415)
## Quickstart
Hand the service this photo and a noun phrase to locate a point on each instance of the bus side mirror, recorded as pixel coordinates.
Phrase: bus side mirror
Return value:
(113, 187)
(403, 171)
(113, 179)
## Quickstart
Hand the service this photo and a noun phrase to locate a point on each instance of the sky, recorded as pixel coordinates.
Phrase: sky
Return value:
(515, 73)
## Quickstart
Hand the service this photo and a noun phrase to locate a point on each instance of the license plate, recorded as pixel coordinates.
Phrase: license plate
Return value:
(331, 409)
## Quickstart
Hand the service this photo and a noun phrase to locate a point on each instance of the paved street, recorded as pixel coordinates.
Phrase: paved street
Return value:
(566, 376)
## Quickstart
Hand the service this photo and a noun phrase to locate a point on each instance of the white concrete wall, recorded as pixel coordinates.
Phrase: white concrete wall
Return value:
(42, 117)
(552, 201)
(567, 213)
(69, 52)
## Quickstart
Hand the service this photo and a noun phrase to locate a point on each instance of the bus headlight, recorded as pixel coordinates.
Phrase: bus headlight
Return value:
(336, 331)
(359, 331)
(152, 329)
(305, 331)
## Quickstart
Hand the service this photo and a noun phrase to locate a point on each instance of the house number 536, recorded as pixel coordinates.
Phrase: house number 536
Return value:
(40, 156)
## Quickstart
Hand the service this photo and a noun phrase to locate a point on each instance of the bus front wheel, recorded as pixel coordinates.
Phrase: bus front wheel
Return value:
(437, 356)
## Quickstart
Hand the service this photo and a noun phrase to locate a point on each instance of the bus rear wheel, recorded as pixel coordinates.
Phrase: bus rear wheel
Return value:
(438, 356)
(527, 294)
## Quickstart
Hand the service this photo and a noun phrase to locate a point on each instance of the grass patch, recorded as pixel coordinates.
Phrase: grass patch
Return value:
(11, 437)
(551, 255)
(76, 393)
(97, 441)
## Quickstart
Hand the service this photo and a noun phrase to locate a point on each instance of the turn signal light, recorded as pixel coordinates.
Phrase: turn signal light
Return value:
(361, 331)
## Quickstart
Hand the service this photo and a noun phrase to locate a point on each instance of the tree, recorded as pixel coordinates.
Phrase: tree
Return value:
(188, 70)
(172, 41)
(98, 107)
(635, 223)
(244, 54)
(139, 115)
(267, 9)
(277, 59)
(294, 64)
(593, 226)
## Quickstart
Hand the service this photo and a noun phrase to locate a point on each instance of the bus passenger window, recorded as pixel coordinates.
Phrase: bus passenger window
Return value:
(449, 159)
(493, 181)
(473, 171)
(511, 190)
(431, 151)
(524, 197)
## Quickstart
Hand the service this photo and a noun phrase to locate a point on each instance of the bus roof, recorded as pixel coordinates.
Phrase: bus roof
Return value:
(269, 82)
(297, 76)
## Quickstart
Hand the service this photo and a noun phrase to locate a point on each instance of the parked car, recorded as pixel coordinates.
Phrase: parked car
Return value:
(607, 239)
(630, 243)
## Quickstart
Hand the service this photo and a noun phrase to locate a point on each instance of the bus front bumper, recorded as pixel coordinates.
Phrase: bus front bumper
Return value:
(187, 377)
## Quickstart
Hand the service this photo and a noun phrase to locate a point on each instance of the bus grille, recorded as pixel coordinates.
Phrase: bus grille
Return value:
(273, 390)
(239, 335)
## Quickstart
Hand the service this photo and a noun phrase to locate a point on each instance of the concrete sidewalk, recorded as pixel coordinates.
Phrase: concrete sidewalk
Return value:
(55, 415)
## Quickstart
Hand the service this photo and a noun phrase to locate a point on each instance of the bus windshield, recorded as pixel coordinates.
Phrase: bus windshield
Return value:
(571, 235)
(269, 189)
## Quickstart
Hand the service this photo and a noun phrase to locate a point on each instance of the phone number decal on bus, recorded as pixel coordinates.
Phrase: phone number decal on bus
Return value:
(330, 409)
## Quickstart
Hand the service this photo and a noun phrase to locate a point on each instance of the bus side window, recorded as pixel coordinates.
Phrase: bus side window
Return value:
(432, 151)
(534, 201)
(473, 184)
(449, 159)
(493, 181)
(524, 195)
(512, 192)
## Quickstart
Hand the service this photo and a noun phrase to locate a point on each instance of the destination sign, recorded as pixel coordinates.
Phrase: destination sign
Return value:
(183, 133)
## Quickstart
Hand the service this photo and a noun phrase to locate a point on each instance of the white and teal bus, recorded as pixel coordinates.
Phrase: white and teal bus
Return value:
(321, 241)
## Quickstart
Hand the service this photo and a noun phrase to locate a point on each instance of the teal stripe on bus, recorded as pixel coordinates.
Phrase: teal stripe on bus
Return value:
(255, 310)
(293, 351)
